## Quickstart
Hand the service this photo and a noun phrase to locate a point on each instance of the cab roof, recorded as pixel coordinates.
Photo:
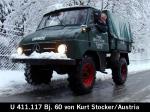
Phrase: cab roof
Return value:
(117, 27)
(70, 8)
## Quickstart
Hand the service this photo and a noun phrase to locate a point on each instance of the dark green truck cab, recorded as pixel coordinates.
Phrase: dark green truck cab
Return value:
(73, 32)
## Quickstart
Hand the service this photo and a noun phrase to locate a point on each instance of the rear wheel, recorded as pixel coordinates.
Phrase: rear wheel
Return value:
(36, 75)
(119, 71)
(82, 79)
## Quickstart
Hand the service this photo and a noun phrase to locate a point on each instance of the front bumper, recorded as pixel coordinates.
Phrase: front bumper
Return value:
(46, 61)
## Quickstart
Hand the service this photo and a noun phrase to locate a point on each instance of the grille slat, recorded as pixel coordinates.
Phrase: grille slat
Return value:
(39, 47)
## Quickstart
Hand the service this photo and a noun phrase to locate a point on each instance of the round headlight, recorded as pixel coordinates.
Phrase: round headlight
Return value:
(19, 50)
(62, 49)
(83, 29)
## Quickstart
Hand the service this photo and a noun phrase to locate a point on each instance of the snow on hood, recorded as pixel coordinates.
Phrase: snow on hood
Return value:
(45, 55)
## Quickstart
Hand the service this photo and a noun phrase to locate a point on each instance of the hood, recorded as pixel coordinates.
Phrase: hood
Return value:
(52, 33)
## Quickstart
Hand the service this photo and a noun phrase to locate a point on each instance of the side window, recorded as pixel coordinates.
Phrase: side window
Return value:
(93, 17)
(101, 22)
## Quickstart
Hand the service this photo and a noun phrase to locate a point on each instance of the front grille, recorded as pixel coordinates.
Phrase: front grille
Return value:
(39, 47)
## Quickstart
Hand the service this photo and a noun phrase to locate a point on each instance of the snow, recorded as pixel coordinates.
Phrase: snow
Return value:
(53, 8)
(4, 42)
(134, 67)
(45, 55)
(8, 77)
(13, 82)
(139, 65)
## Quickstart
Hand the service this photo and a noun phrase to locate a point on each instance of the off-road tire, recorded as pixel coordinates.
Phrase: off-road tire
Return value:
(82, 78)
(36, 75)
(119, 71)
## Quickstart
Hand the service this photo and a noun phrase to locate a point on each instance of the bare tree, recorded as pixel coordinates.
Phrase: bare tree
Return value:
(79, 2)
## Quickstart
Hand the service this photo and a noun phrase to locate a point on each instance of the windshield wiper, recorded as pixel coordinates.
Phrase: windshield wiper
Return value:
(61, 22)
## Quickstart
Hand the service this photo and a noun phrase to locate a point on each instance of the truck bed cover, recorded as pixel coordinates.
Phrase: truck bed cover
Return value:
(119, 28)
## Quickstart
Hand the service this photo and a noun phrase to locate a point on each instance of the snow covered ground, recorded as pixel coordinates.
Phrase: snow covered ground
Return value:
(13, 82)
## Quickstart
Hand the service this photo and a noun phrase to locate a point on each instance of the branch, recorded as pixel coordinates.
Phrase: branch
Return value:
(107, 4)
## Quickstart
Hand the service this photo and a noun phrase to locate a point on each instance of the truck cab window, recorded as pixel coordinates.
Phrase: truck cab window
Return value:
(101, 22)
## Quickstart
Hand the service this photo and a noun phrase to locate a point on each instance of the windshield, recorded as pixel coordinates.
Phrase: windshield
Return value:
(69, 17)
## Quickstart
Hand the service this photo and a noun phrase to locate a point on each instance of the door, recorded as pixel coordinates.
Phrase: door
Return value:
(99, 40)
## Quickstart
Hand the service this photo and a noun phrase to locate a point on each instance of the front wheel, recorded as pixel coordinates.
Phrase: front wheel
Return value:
(36, 75)
(82, 79)
(119, 71)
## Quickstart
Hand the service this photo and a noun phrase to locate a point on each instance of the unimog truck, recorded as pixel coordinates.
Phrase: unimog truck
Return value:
(73, 31)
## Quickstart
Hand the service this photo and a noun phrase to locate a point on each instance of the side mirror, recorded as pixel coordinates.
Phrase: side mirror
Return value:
(85, 28)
